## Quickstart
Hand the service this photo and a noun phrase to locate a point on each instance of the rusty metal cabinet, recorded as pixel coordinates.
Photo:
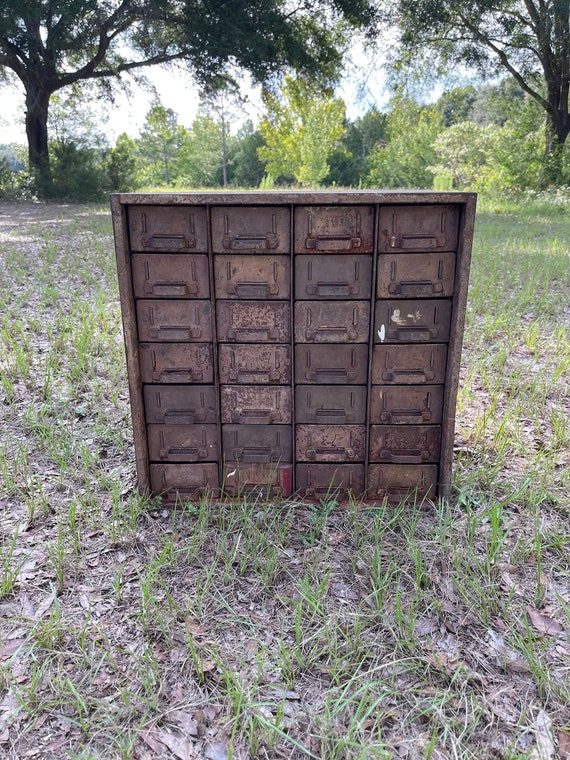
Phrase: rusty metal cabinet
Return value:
(294, 343)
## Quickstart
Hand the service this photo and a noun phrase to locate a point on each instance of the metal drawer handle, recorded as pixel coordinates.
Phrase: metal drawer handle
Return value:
(333, 243)
(171, 332)
(404, 456)
(419, 375)
(332, 289)
(183, 417)
(244, 242)
(170, 288)
(179, 373)
(190, 452)
(168, 241)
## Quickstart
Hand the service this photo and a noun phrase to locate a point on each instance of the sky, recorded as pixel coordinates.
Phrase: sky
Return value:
(361, 87)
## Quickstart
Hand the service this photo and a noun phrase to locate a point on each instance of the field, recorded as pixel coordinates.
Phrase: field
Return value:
(255, 630)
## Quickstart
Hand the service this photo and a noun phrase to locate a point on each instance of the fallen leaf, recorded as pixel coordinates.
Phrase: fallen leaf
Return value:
(177, 744)
(544, 743)
(11, 647)
(217, 751)
(563, 745)
(185, 721)
(543, 623)
(152, 741)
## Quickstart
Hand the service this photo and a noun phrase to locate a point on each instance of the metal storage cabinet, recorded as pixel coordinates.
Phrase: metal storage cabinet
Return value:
(294, 343)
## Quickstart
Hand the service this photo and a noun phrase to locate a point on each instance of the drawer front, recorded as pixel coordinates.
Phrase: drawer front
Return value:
(415, 275)
(418, 228)
(334, 481)
(176, 362)
(412, 321)
(330, 443)
(170, 275)
(406, 404)
(332, 322)
(330, 404)
(405, 444)
(180, 404)
(331, 364)
(184, 481)
(168, 228)
(409, 365)
(260, 480)
(254, 321)
(252, 276)
(183, 443)
(399, 482)
(257, 443)
(334, 229)
(171, 321)
(255, 404)
(333, 277)
(251, 229)
(254, 364)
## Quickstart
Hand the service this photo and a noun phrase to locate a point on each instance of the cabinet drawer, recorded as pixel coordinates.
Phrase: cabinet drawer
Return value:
(418, 228)
(168, 228)
(335, 229)
(330, 443)
(406, 404)
(396, 483)
(251, 229)
(184, 481)
(176, 363)
(252, 276)
(257, 443)
(256, 404)
(405, 444)
(254, 321)
(332, 322)
(254, 364)
(264, 481)
(409, 365)
(180, 404)
(415, 275)
(331, 364)
(333, 277)
(170, 275)
(334, 481)
(412, 321)
(174, 321)
(183, 443)
(330, 404)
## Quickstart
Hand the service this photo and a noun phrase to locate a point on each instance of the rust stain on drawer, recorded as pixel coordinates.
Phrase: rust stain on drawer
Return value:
(183, 443)
(254, 321)
(329, 481)
(415, 275)
(333, 277)
(406, 404)
(409, 365)
(254, 364)
(418, 228)
(405, 444)
(251, 229)
(257, 443)
(184, 481)
(330, 443)
(332, 322)
(330, 404)
(331, 364)
(180, 404)
(168, 228)
(176, 362)
(254, 277)
(398, 483)
(256, 404)
(174, 320)
(335, 229)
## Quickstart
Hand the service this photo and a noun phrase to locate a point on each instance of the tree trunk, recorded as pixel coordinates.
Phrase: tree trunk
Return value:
(37, 107)
(554, 153)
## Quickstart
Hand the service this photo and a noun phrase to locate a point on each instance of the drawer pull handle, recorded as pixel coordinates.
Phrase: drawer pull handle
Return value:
(341, 452)
(415, 287)
(192, 453)
(250, 242)
(333, 243)
(254, 375)
(411, 334)
(252, 289)
(255, 455)
(252, 333)
(175, 332)
(419, 375)
(255, 416)
(331, 332)
(183, 417)
(332, 289)
(416, 241)
(179, 374)
(406, 414)
(331, 415)
(404, 456)
(168, 241)
(330, 375)
(180, 288)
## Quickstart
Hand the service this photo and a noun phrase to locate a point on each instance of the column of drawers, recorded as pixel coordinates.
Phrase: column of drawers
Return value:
(294, 343)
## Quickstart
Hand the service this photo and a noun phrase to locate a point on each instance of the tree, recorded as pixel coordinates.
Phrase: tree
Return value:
(529, 39)
(158, 144)
(122, 165)
(301, 129)
(52, 44)
(349, 162)
(246, 168)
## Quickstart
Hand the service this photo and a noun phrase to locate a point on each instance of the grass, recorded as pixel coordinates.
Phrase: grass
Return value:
(281, 630)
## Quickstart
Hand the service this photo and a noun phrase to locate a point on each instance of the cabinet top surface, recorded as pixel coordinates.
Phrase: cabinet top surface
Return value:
(296, 197)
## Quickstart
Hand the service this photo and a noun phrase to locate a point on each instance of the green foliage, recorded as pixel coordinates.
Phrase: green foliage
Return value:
(246, 168)
(77, 172)
(349, 162)
(455, 105)
(199, 162)
(301, 129)
(158, 144)
(121, 165)
(406, 160)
